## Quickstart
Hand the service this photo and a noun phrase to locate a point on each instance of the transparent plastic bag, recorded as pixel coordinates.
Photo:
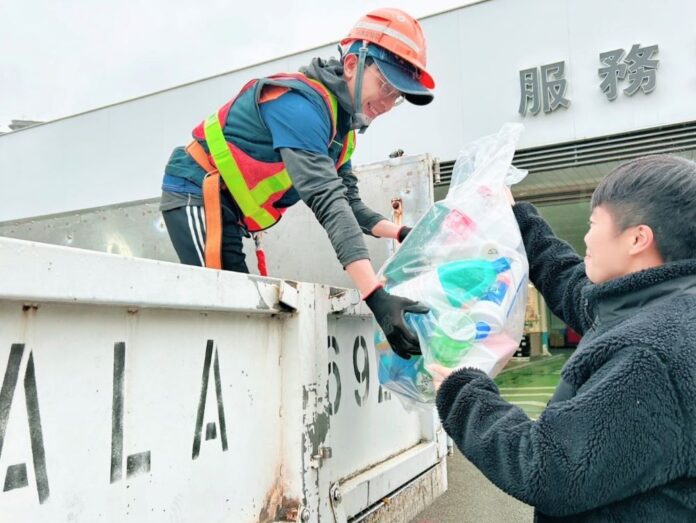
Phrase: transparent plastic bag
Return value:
(465, 260)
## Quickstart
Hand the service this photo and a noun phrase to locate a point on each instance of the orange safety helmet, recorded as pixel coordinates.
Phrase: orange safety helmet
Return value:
(397, 32)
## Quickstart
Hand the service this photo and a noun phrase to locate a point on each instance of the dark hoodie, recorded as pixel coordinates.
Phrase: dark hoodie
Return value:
(333, 197)
(617, 441)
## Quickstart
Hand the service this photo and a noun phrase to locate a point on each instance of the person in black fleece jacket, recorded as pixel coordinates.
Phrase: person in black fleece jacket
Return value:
(617, 441)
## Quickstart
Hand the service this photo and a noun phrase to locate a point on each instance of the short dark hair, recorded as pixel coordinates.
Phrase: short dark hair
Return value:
(658, 191)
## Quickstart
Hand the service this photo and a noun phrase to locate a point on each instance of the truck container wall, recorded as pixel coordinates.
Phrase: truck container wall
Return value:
(136, 389)
(297, 247)
(141, 390)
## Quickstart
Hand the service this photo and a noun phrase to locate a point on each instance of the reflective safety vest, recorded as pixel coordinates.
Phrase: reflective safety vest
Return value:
(256, 185)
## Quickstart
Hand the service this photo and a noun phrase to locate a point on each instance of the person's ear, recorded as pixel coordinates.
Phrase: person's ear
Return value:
(642, 239)
(350, 65)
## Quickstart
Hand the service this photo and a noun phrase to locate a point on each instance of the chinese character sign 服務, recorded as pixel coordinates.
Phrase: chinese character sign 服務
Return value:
(543, 88)
(638, 66)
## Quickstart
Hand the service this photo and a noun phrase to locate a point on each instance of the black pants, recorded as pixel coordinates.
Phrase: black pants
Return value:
(186, 227)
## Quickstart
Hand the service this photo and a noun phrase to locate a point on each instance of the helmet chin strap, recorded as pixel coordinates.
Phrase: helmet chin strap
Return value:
(360, 120)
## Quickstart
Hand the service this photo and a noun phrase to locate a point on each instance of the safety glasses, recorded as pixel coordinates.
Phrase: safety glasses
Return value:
(386, 90)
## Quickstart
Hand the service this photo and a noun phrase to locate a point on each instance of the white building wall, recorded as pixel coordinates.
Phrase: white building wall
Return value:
(117, 153)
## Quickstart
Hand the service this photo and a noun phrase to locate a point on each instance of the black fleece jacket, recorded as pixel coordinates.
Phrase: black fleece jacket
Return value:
(617, 441)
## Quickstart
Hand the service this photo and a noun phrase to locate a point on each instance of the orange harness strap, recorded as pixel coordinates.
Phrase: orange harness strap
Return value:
(211, 203)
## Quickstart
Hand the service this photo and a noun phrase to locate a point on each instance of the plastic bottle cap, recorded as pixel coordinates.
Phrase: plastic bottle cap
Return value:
(490, 313)
(501, 264)
(482, 330)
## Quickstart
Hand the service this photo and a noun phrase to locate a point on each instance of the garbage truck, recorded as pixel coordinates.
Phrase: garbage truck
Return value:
(135, 388)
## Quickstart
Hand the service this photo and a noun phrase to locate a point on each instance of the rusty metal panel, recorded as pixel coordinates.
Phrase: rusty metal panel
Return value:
(412, 498)
(144, 390)
(359, 405)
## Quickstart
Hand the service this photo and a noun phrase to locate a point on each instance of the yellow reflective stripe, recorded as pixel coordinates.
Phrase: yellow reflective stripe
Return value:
(351, 145)
(229, 170)
(349, 140)
(334, 105)
(262, 217)
(348, 148)
(273, 184)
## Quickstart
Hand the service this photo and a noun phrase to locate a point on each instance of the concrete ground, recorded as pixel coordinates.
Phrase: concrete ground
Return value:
(470, 496)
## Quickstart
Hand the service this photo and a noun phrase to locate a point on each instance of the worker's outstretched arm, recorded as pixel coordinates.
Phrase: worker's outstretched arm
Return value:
(316, 181)
(389, 310)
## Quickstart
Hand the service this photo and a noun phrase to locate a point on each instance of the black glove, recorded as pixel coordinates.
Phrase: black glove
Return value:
(403, 232)
(389, 313)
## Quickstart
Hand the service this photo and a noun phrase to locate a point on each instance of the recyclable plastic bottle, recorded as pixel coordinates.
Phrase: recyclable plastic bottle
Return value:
(489, 308)
(381, 343)
(455, 283)
(493, 306)
(407, 377)
(457, 226)
(489, 208)
(492, 353)
(452, 337)
(455, 240)
(448, 337)
(412, 256)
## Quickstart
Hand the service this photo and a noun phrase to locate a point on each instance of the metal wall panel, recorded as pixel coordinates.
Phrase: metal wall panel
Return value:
(358, 402)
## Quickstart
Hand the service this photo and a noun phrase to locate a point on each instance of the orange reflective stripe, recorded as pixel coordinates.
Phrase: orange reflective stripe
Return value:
(272, 92)
(213, 221)
(197, 152)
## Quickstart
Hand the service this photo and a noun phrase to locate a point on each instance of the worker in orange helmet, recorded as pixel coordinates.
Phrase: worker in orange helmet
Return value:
(289, 137)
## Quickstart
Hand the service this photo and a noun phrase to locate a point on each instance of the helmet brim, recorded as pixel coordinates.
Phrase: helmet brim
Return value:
(404, 81)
